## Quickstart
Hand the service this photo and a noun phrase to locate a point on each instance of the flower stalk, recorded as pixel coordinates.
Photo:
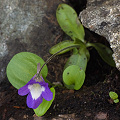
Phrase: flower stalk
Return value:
(50, 58)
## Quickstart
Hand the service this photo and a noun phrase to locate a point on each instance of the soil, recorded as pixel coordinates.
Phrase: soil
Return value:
(91, 102)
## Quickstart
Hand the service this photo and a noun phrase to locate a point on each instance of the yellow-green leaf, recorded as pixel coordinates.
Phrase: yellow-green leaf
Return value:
(69, 22)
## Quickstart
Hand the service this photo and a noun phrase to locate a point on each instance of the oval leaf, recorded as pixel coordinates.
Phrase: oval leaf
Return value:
(79, 59)
(116, 101)
(113, 95)
(45, 105)
(74, 76)
(104, 52)
(22, 67)
(69, 22)
(62, 45)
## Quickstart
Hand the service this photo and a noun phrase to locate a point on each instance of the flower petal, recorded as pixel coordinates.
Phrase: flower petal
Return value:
(32, 81)
(47, 94)
(32, 103)
(36, 90)
(23, 90)
(43, 83)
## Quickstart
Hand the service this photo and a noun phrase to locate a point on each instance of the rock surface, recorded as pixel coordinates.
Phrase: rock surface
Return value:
(26, 25)
(103, 17)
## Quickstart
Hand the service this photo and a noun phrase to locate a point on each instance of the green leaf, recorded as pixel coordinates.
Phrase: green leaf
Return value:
(113, 95)
(104, 51)
(62, 45)
(22, 67)
(45, 105)
(74, 76)
(87, 54)
(116, 101)
(79, 59)
(75, 51)
(69, 22)
(84, 48)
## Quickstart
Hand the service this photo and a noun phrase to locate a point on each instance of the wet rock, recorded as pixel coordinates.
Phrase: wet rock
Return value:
(26, 25)
(103, 17)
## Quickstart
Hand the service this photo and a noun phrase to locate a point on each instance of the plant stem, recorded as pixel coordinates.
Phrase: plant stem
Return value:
(49, 59)
(88, 44)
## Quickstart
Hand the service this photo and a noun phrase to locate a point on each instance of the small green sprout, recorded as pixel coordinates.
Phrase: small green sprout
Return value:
(114, 96)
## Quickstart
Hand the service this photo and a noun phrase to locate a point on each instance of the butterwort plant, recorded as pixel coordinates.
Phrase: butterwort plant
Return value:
(75, 67)
(25, 74)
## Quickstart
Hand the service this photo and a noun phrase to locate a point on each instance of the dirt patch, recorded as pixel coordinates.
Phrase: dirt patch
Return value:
(89, 103)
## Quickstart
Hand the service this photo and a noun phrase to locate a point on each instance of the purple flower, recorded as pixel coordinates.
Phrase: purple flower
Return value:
(37, 89)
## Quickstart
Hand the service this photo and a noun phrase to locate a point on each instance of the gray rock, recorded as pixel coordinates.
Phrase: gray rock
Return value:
(26, 25)
(103, 17)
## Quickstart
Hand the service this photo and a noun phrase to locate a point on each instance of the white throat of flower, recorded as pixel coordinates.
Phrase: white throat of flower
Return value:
(36, 90)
